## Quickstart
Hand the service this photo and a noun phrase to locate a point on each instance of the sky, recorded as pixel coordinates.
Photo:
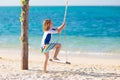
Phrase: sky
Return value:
(62, 2)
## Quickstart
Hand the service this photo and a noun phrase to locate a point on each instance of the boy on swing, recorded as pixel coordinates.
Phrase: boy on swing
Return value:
(46, 45)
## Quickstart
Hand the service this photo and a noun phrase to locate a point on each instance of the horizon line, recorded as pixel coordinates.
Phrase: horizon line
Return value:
(58, 5)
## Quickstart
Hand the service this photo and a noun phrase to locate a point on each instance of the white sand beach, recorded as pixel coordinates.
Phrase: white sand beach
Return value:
(82, 67)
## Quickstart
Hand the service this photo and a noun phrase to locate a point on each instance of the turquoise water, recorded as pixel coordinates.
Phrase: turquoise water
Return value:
(88, 28)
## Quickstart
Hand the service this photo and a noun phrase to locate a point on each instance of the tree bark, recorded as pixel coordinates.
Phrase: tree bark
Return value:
(24, 35)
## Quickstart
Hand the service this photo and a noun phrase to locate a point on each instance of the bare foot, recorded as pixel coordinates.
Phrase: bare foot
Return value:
(44, 72)
(56, 59)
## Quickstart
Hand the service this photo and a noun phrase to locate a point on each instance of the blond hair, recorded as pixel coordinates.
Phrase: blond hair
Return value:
(46, 24)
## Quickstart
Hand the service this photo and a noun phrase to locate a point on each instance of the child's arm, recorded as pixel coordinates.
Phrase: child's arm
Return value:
(59, 29)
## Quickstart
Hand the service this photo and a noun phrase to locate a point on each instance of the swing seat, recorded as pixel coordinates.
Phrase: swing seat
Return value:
(59, 61)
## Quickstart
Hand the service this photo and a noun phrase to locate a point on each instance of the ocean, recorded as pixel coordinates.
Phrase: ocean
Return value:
(89, 29)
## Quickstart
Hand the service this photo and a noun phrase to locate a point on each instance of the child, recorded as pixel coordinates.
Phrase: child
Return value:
(48, 30)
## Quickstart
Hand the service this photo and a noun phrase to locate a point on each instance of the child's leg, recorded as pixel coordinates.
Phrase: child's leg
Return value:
(46, 61)
(57, 46)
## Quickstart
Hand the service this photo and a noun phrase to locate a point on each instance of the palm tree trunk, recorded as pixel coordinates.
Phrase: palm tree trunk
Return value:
(24, 34)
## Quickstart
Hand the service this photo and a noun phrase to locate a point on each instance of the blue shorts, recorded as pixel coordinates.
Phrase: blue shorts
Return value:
(47, 47)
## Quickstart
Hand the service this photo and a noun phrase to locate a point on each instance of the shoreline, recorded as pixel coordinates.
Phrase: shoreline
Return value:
(11, 53)
(35, 56)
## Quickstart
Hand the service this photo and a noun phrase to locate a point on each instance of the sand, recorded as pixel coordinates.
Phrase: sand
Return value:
(82, 67)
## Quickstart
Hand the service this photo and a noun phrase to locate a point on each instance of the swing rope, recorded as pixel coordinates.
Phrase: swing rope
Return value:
(65, 29)
(65, 10)
(64, 20)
